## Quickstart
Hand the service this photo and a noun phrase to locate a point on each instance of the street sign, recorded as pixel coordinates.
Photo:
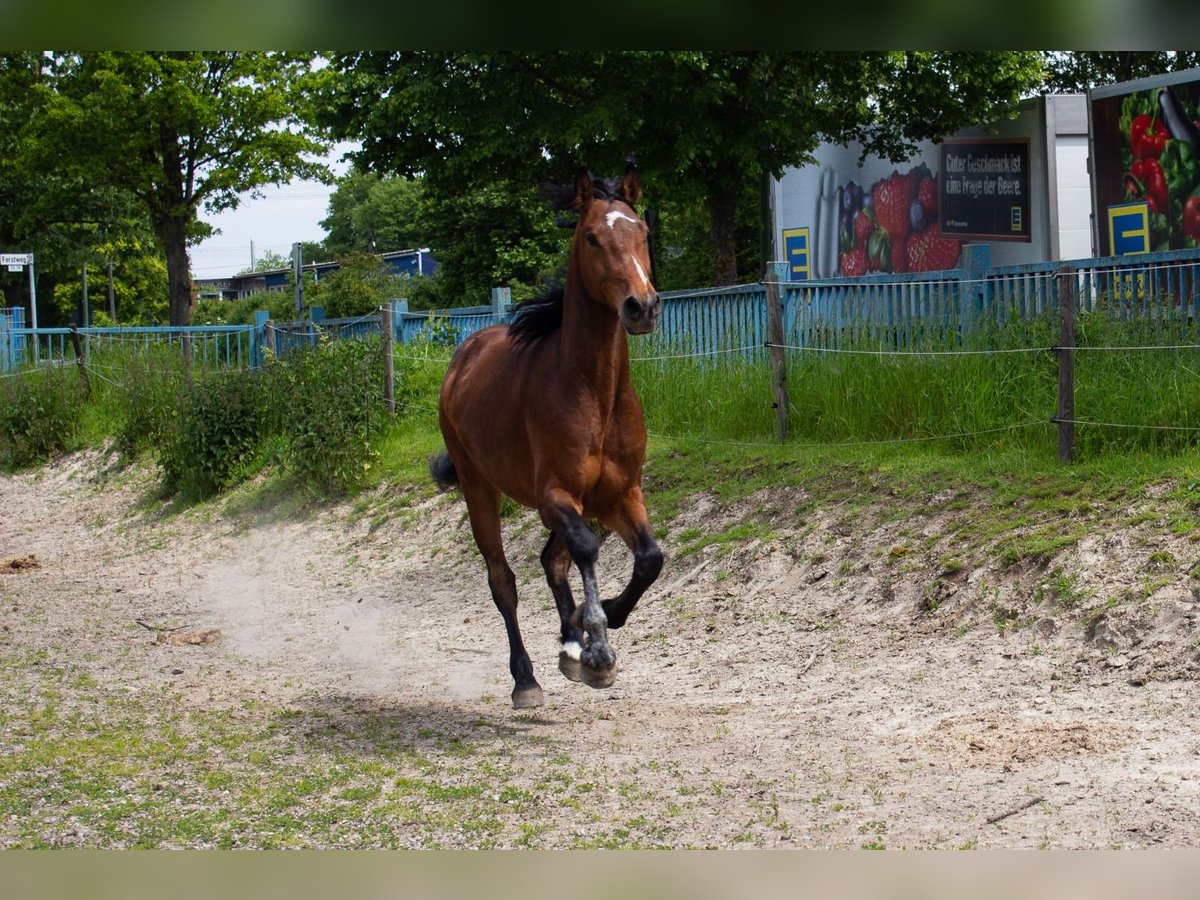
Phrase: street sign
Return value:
(16, 259)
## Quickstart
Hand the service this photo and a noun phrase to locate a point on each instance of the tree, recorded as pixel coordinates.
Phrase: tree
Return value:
(268, 262)
(1075, 71)
(179, 131)
(373, 214)
(362, 283)
(139, 283)
(705, 126)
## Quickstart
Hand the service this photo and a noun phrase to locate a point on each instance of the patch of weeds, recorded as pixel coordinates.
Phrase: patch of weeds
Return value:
(1041, 544)
(1004, 619)
(1161, 559)
(1060, 588)
(952, 565)
(693, 540)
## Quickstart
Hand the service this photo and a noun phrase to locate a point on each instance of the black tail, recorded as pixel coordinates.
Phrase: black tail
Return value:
(441, 467)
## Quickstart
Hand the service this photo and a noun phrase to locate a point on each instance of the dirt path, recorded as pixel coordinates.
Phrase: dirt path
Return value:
(797, 692)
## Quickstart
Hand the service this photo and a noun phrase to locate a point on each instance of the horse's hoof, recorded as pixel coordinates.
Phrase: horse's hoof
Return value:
(598, 678)
(527, 697)
(569, 665)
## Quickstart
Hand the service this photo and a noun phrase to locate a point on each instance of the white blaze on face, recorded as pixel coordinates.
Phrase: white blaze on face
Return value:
(641, 271)
(612, 217)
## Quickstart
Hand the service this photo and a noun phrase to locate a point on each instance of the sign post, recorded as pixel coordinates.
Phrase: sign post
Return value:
(15, 263)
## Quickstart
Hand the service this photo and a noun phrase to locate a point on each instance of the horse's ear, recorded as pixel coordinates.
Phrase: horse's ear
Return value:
(631, 185)
(583, 190)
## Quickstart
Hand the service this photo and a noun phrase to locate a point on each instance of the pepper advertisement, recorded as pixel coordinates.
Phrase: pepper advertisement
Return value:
(1146, 157)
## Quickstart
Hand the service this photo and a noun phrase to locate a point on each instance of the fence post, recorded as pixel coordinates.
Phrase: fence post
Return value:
(258, 337)
(75, 342)
(389, 375)
(775, 343)
(1065, 419)
(975, 260)
(6, 337)
(501, 301)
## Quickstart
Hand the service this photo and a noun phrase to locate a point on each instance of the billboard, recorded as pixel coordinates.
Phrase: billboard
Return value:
(1146, 164)
(984, 188)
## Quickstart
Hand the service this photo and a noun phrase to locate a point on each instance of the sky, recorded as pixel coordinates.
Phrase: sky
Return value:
(282, 216)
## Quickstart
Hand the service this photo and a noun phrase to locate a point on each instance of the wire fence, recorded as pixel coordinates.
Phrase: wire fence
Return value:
(1118, 307)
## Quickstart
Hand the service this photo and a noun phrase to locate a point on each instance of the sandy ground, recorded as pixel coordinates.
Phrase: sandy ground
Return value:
(828, 687)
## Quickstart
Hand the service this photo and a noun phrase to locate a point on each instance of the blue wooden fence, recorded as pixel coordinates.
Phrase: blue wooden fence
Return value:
(896, 312)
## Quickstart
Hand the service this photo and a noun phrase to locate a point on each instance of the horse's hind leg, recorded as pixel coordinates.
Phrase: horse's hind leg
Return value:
(556, 561)
(483, 506)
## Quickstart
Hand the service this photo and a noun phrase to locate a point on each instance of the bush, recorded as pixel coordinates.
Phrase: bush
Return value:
(39, 413)
(220, 423)
(332, 406)
(147, 402)
(362, 284)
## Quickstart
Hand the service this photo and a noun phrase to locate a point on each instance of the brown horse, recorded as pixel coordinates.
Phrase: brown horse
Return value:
(543, 411)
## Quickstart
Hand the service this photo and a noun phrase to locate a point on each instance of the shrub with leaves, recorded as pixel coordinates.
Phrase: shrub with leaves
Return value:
(220, 423)
(147, 401)
(333, 407)
(39, 413)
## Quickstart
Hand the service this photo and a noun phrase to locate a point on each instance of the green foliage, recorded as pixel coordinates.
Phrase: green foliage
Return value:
(498, 234)
(281, 305)
(174, 130)
(331, 407)
(39, 414)
(362, 284)
(146, 407)
(368, 213)
(139, 285)
(221, 417)
(1076, 71)
(705, 125)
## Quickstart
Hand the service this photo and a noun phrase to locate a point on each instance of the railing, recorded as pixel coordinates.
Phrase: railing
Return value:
(900, 311)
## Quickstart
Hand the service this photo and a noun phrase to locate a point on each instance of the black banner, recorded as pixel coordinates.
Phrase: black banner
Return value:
(983, 186)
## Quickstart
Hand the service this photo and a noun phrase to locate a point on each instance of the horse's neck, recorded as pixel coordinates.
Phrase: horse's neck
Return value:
(593, 346)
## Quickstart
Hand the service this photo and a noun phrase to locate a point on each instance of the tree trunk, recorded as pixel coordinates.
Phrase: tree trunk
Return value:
(723, 207)
(173, 234)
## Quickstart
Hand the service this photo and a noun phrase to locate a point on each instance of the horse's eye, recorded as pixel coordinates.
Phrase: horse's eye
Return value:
(591, 239)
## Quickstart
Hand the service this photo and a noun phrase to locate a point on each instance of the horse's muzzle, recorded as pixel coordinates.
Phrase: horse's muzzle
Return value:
(639, 316)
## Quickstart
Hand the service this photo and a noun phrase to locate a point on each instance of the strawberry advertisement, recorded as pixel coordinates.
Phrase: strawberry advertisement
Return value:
(891, 225)
(1146, 152)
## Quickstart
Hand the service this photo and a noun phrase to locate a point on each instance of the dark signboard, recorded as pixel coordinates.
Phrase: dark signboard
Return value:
(1146, 164)
(983, 187)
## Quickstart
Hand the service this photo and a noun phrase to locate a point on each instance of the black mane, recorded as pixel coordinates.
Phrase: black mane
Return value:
(537, 317)
(562, 196)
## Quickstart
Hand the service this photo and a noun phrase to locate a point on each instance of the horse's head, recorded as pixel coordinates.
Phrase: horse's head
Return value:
(612, 250)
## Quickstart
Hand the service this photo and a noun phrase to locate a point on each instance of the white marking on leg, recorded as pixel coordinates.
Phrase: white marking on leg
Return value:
(572, 649)
(612, 217)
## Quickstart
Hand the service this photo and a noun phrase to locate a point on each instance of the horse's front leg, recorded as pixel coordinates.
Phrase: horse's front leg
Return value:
(556, 562)
(634, 529)
(598, 660)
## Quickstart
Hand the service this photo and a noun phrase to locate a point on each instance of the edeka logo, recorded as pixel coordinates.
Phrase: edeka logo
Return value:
(1129, 228)
(796, 252)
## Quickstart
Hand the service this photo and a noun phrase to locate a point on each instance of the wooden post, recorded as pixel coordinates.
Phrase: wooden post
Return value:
(75, 342)
(1065, 419)
(778, 360)
(389, 374)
